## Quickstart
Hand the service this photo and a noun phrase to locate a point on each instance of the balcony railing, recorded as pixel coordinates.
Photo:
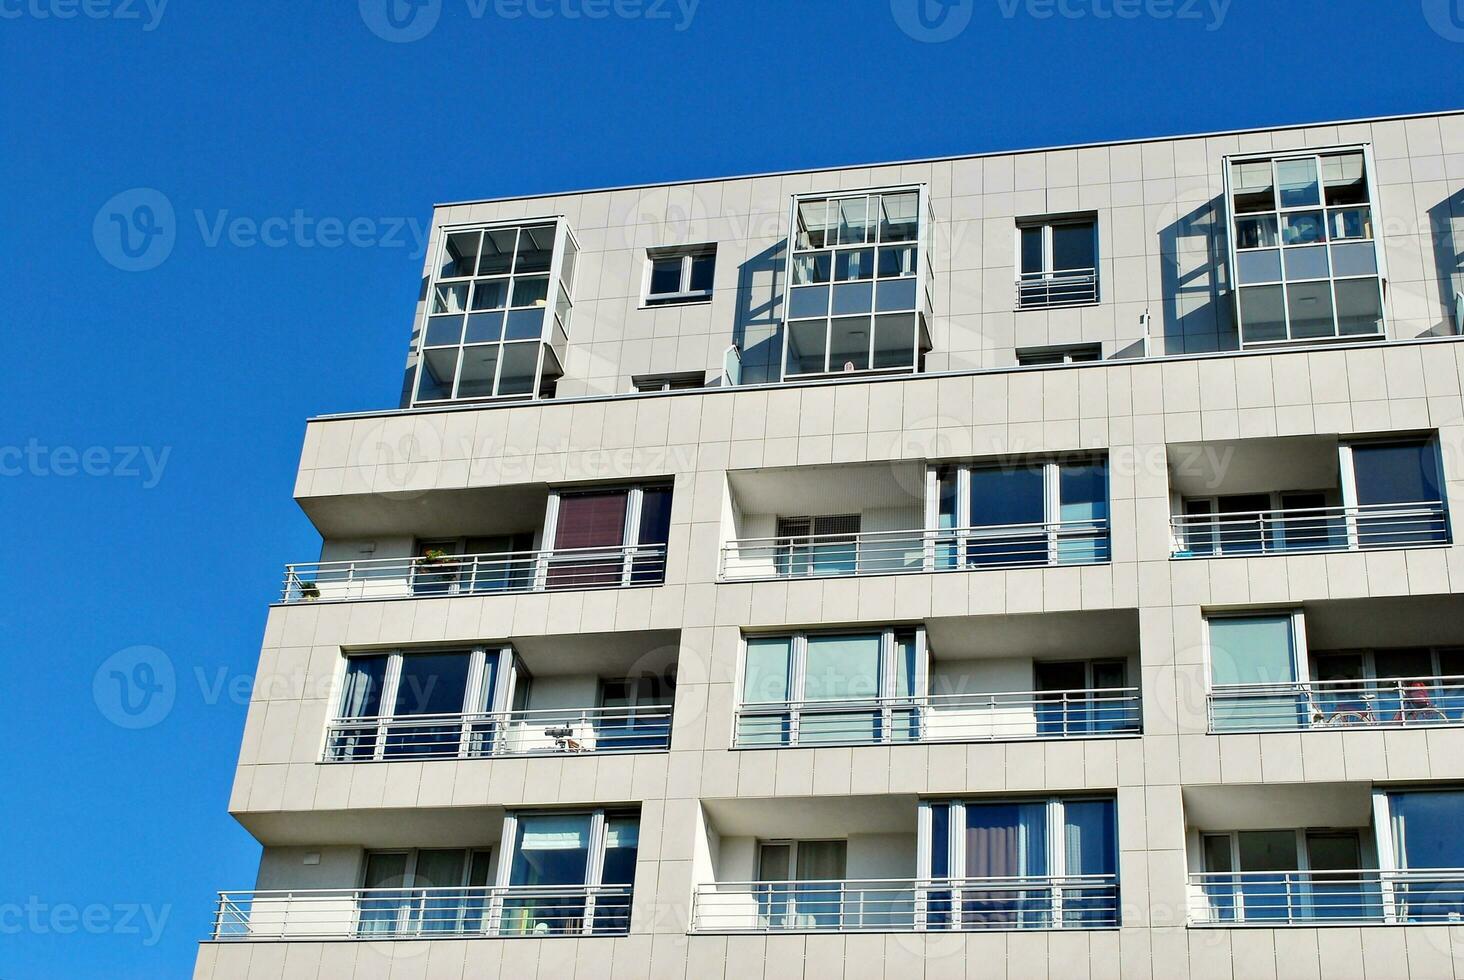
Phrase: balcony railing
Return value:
(1302, 529)
(424, 913)
(902, 552)
(1006, 716)
(1066, 288)
(1283, 898)
(516, 571)
(899, 905)
(1395, 702)
(482, 735)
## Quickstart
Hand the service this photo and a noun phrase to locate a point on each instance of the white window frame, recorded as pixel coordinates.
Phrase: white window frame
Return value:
(1301, 661)
(1047, 273)
(685, 294)
(629, 543)
(595, 858)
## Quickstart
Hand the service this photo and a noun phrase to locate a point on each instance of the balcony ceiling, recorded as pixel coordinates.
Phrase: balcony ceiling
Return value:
(1277, 807)
(1047, 636)
(629, 654)
(829, 489)
(814, 818)
(1204, 469)
(1396, 621)
(429, 513)
(457, 826)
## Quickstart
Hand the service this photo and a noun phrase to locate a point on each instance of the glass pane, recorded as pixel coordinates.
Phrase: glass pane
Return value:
(765, 678)
(899, 218)
(1006, 840)
(1396, 474)
(1359, 307)
(1083, 510)
(842, 667)
(855, 221)
(806, 301)
(1262, 314)
(571, 256)
(1033, 260)
(1257, 232)
(432, 684)
(894, 341)
(1357, 259)
(364, 679)
(897, 261)
(813, 224)
(444, 331)
(815, 267)
(490, 294)
(655, 516)
(1217, 852)
(1302, 228)
(385, 870)
(852, 264)
(1259, 266)
(1426, 829)
(479, 366)
(525, 324)
(439, 367)
(551, 850)
(440, 869)
(807, 346)
(485, 327)
(1010, 504)
(895, 295)
(450, 297)
(518, 375)
(1350, 223)
(459, 254)
(1306, 263)
(532, 291)
(775, 862)
(497, 257)
(1298, 180)
(1251, 650)
(1310, 304)
(1073, 247)
(849, 344)
(535, 249)
(853, 297)
(1345, 179)
(1267, 850)
(666, 276)
(703, 271)
(1090, 839)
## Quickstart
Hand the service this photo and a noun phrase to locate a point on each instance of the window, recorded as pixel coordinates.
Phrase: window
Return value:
(680, 275)
(684, 381)
(411, 705)
(1002, 515)
(983, 849)
(1304, 256)
(1083, 697)
(1286, 875)
(1057, 261)
(394, 905)
(498, 313)
(825, 545)
(800, 884)
(856, 295)
(573, 872)
(609, 537)
(1398, 492)
(826, 676)
(1259, 658)
(1076, 354)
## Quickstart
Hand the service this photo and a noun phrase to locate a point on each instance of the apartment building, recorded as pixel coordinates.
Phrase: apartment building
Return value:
(1018, 565)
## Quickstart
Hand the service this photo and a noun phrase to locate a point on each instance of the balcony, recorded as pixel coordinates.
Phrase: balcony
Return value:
(1310, 529)
(1394, 702)
(1288, 898)
(907, 905)
(484, 574)
(485, 735)
(423, 913)
(1305, 494)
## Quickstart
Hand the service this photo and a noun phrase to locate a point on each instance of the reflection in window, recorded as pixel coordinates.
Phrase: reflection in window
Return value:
(1305, 258)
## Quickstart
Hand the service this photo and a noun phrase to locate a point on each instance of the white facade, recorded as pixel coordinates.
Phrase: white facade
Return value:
(1140, 666)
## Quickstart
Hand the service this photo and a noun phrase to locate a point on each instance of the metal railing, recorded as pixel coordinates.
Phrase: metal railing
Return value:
(1006, 716)
(906, 905)
(902, 552)
(645, 728)
(424, 913)
(1282, 898)
(1302, 529)
(1394, 702)
(1036, 290)
(514, 571)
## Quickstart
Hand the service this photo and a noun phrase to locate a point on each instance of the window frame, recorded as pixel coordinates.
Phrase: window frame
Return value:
(672, 381)
(1300, 660)
(685, 295)
(1065, 353)
(1048, 274)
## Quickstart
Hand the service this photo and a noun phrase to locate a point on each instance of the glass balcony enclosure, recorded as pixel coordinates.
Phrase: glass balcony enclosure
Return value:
(1377, 663)
(1305, 257)
(498, 312)
(505, 700)
(858, 283)
(995, 678)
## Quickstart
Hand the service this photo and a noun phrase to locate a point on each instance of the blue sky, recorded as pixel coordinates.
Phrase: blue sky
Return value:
(153, 422)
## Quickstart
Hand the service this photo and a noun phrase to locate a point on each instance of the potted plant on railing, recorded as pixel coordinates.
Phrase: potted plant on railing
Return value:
(308, 590)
